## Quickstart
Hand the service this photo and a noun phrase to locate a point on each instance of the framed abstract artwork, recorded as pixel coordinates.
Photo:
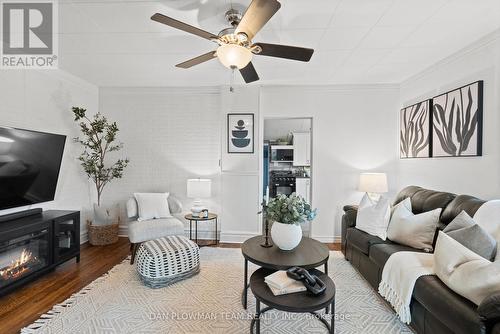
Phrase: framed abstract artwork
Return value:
(414, 131)
(457, 122)
(240, 133)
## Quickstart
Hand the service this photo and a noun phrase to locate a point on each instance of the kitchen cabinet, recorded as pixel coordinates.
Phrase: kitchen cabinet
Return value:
(301, 148)
(303, 188)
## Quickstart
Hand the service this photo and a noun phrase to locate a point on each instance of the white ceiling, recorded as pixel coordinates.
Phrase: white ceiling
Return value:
(114, 43)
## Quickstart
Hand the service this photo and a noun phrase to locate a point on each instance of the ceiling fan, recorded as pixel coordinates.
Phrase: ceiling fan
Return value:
(236, 48)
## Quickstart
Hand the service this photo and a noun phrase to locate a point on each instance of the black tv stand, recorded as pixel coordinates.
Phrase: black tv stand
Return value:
(47, 239)
(20, 214)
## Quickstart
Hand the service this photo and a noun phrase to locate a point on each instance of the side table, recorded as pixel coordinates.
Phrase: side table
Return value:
(196, 220)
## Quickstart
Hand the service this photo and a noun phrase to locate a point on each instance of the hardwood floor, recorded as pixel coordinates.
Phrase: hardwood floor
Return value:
(22, 307)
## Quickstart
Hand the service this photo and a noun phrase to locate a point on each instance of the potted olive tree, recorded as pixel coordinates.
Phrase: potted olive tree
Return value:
(287, 213)
(99, 138)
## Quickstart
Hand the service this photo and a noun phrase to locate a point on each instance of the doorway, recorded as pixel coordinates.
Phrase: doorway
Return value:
(287, 159)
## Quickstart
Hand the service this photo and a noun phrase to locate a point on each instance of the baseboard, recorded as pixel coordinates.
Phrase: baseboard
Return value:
(84, 237)
(328, 239)
(231, 237)
(123, 231)
(236, 237)
(202, 235)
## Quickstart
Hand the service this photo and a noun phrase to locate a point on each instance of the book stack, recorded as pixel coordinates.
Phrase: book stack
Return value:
(281, 284)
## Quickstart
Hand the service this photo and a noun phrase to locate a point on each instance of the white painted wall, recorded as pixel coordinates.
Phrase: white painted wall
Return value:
(354, 130)
(240, 172)
(169, 135)
(42, 101)
(479, 176)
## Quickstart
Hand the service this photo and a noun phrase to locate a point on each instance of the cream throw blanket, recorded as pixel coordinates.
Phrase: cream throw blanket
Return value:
(399, 276)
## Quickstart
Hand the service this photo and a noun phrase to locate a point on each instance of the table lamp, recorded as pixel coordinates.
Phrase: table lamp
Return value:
(373, 184)
(198, 189)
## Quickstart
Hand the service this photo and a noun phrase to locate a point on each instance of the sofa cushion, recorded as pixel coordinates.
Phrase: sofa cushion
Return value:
(489, 309)
(380, 253)
(406, 192)
(140, 231)
(362, 240)
(466, 203)
(423, 200)
(456, 312)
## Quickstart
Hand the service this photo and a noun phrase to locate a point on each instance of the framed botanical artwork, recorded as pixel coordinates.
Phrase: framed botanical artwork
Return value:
(457, 122)
(240, 133)
(414, 131)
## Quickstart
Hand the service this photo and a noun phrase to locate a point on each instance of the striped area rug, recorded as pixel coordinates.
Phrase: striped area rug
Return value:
(209, 302)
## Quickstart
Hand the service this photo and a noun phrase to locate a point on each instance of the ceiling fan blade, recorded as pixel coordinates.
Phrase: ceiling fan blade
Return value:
(285, 51)
(198, 60)
(182, 26)
(249, 73)
(256, 16)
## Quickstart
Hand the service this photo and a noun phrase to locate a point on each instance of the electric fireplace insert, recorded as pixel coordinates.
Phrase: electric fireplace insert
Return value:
(23, 255)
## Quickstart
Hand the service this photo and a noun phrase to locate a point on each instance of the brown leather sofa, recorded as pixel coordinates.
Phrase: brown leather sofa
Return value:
(434, 307)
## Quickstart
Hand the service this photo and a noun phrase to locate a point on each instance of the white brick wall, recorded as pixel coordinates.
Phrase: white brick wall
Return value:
(169, 137)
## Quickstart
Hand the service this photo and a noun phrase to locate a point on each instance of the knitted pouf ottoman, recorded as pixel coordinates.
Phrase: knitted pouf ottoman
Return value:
(167, 260)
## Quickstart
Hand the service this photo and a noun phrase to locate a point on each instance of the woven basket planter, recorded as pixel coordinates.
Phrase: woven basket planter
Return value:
(164, 261)
(102, 235)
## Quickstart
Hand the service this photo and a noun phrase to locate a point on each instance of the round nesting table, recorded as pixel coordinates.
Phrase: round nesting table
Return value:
(300, 302)
(309, 254)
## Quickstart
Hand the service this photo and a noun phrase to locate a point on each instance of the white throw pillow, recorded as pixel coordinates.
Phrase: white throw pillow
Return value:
(412, 230)
(488, 217)
(152, 205)
(463, 271)
(373, 217)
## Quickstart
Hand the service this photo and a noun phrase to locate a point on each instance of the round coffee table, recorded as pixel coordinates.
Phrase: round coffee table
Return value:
(300, 302)
(309, 254)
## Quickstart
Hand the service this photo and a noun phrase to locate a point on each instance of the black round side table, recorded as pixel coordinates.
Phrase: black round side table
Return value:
(300, 302)
(196, 220)
(309, 254)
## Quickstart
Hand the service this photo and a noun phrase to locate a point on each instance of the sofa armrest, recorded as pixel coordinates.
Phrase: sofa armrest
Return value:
(347, 208)
(348, 221)
(132, 208)
(489, 309)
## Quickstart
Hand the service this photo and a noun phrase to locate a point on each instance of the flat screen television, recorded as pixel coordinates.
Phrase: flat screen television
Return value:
(29, 166)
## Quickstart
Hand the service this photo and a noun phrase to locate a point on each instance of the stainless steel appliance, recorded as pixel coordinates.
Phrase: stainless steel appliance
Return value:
(282, 182)
(282, 153)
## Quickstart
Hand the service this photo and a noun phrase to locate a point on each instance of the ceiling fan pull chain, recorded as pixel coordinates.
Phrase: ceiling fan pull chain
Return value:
(231, 80)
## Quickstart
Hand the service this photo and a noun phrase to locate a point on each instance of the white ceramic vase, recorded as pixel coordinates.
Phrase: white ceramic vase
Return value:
(286, 236)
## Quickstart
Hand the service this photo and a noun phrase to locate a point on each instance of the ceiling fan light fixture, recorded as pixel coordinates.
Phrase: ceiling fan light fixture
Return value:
(234, 55)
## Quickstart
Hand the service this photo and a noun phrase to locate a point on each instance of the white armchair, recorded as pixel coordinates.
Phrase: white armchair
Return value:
(140, 231)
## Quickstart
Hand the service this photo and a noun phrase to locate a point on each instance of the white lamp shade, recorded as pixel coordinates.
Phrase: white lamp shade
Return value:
(234, 55)
(199, 188)
(373, 183)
